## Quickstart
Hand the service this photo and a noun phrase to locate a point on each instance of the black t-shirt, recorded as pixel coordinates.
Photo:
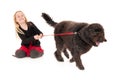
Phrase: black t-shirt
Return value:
(28, 36)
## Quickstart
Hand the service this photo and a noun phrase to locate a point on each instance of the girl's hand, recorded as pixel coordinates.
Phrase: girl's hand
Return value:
(36, 37)
(41, 35)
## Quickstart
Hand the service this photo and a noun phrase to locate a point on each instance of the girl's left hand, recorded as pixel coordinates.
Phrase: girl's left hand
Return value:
(41, 35)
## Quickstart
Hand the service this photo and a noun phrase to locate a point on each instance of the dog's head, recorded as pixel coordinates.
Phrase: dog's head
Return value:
(94, 34)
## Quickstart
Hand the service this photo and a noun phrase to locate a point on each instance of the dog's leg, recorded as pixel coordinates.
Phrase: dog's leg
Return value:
(72, 60)
(78, 62)
(77, 59)
(59, 46)
(58, 56)
(66, 53)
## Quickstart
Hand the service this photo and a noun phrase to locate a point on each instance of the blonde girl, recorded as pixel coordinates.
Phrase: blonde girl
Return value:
(30, 35)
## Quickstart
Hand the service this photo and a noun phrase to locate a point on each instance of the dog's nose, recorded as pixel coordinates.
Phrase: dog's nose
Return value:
(105, 40)
(102, 39)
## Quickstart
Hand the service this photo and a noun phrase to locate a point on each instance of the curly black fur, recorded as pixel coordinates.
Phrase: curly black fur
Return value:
(88, 35)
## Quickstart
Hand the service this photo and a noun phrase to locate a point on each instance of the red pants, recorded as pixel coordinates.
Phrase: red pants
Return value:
(27, 50)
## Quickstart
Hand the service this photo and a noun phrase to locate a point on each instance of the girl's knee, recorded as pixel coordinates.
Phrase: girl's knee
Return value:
(35, 54)
(20, 54)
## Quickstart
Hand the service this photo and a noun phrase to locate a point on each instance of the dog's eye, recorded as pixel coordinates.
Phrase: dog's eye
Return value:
(94, 32)
(97, 30)
(91, 30)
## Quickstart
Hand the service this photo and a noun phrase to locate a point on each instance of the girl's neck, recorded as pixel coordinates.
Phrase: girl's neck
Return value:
(24, 26)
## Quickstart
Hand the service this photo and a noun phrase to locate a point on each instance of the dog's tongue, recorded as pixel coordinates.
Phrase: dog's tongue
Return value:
(97, 43)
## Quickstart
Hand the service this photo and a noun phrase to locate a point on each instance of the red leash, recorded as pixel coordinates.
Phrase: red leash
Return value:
(62, 34)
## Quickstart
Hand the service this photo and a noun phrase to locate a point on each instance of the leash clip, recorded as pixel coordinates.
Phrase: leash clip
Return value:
(75, 32)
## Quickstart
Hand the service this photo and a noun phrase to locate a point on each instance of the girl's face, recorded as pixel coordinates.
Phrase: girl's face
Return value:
(20, 17)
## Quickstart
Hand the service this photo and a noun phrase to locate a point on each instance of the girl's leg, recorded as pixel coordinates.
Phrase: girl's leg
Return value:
(36, 51)
(22, 52)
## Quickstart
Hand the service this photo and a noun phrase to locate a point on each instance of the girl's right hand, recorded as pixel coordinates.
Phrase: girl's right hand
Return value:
(36, 37)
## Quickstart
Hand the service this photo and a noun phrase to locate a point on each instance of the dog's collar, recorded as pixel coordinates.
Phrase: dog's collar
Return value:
(81, 34)
(75, 32)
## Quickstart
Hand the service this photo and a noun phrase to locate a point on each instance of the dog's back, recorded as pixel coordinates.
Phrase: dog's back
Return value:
(69, 26)
(63, 26)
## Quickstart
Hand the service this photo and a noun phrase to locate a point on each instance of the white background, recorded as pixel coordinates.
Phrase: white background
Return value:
(101, 63)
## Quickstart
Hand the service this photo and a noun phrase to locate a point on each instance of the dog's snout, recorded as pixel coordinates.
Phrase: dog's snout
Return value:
(101, 40)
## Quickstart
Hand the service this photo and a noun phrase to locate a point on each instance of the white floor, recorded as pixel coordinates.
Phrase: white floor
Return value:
(101, 63)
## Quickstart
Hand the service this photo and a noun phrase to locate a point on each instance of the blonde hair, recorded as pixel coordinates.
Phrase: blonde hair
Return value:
(17, 29)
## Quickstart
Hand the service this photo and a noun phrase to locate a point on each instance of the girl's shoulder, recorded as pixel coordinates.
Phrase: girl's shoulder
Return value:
(30, 23)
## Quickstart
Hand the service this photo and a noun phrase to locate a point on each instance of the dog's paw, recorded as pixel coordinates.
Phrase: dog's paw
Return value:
(72, 60)
(66, 55)
(59, 58)
(81, 67)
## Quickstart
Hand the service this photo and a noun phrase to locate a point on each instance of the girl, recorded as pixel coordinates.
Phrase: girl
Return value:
(30, 35)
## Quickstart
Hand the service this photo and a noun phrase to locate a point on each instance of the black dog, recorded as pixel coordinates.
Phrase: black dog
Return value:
(85, 36)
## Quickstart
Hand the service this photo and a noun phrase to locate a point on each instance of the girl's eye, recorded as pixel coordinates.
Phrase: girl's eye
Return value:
(22, 15)
(18, 16)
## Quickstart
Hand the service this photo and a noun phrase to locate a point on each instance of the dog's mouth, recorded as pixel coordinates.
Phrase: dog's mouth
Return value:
(97, 43)
(100, 40)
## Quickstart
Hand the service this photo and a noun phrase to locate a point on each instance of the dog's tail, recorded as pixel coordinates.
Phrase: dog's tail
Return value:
(48, 19)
